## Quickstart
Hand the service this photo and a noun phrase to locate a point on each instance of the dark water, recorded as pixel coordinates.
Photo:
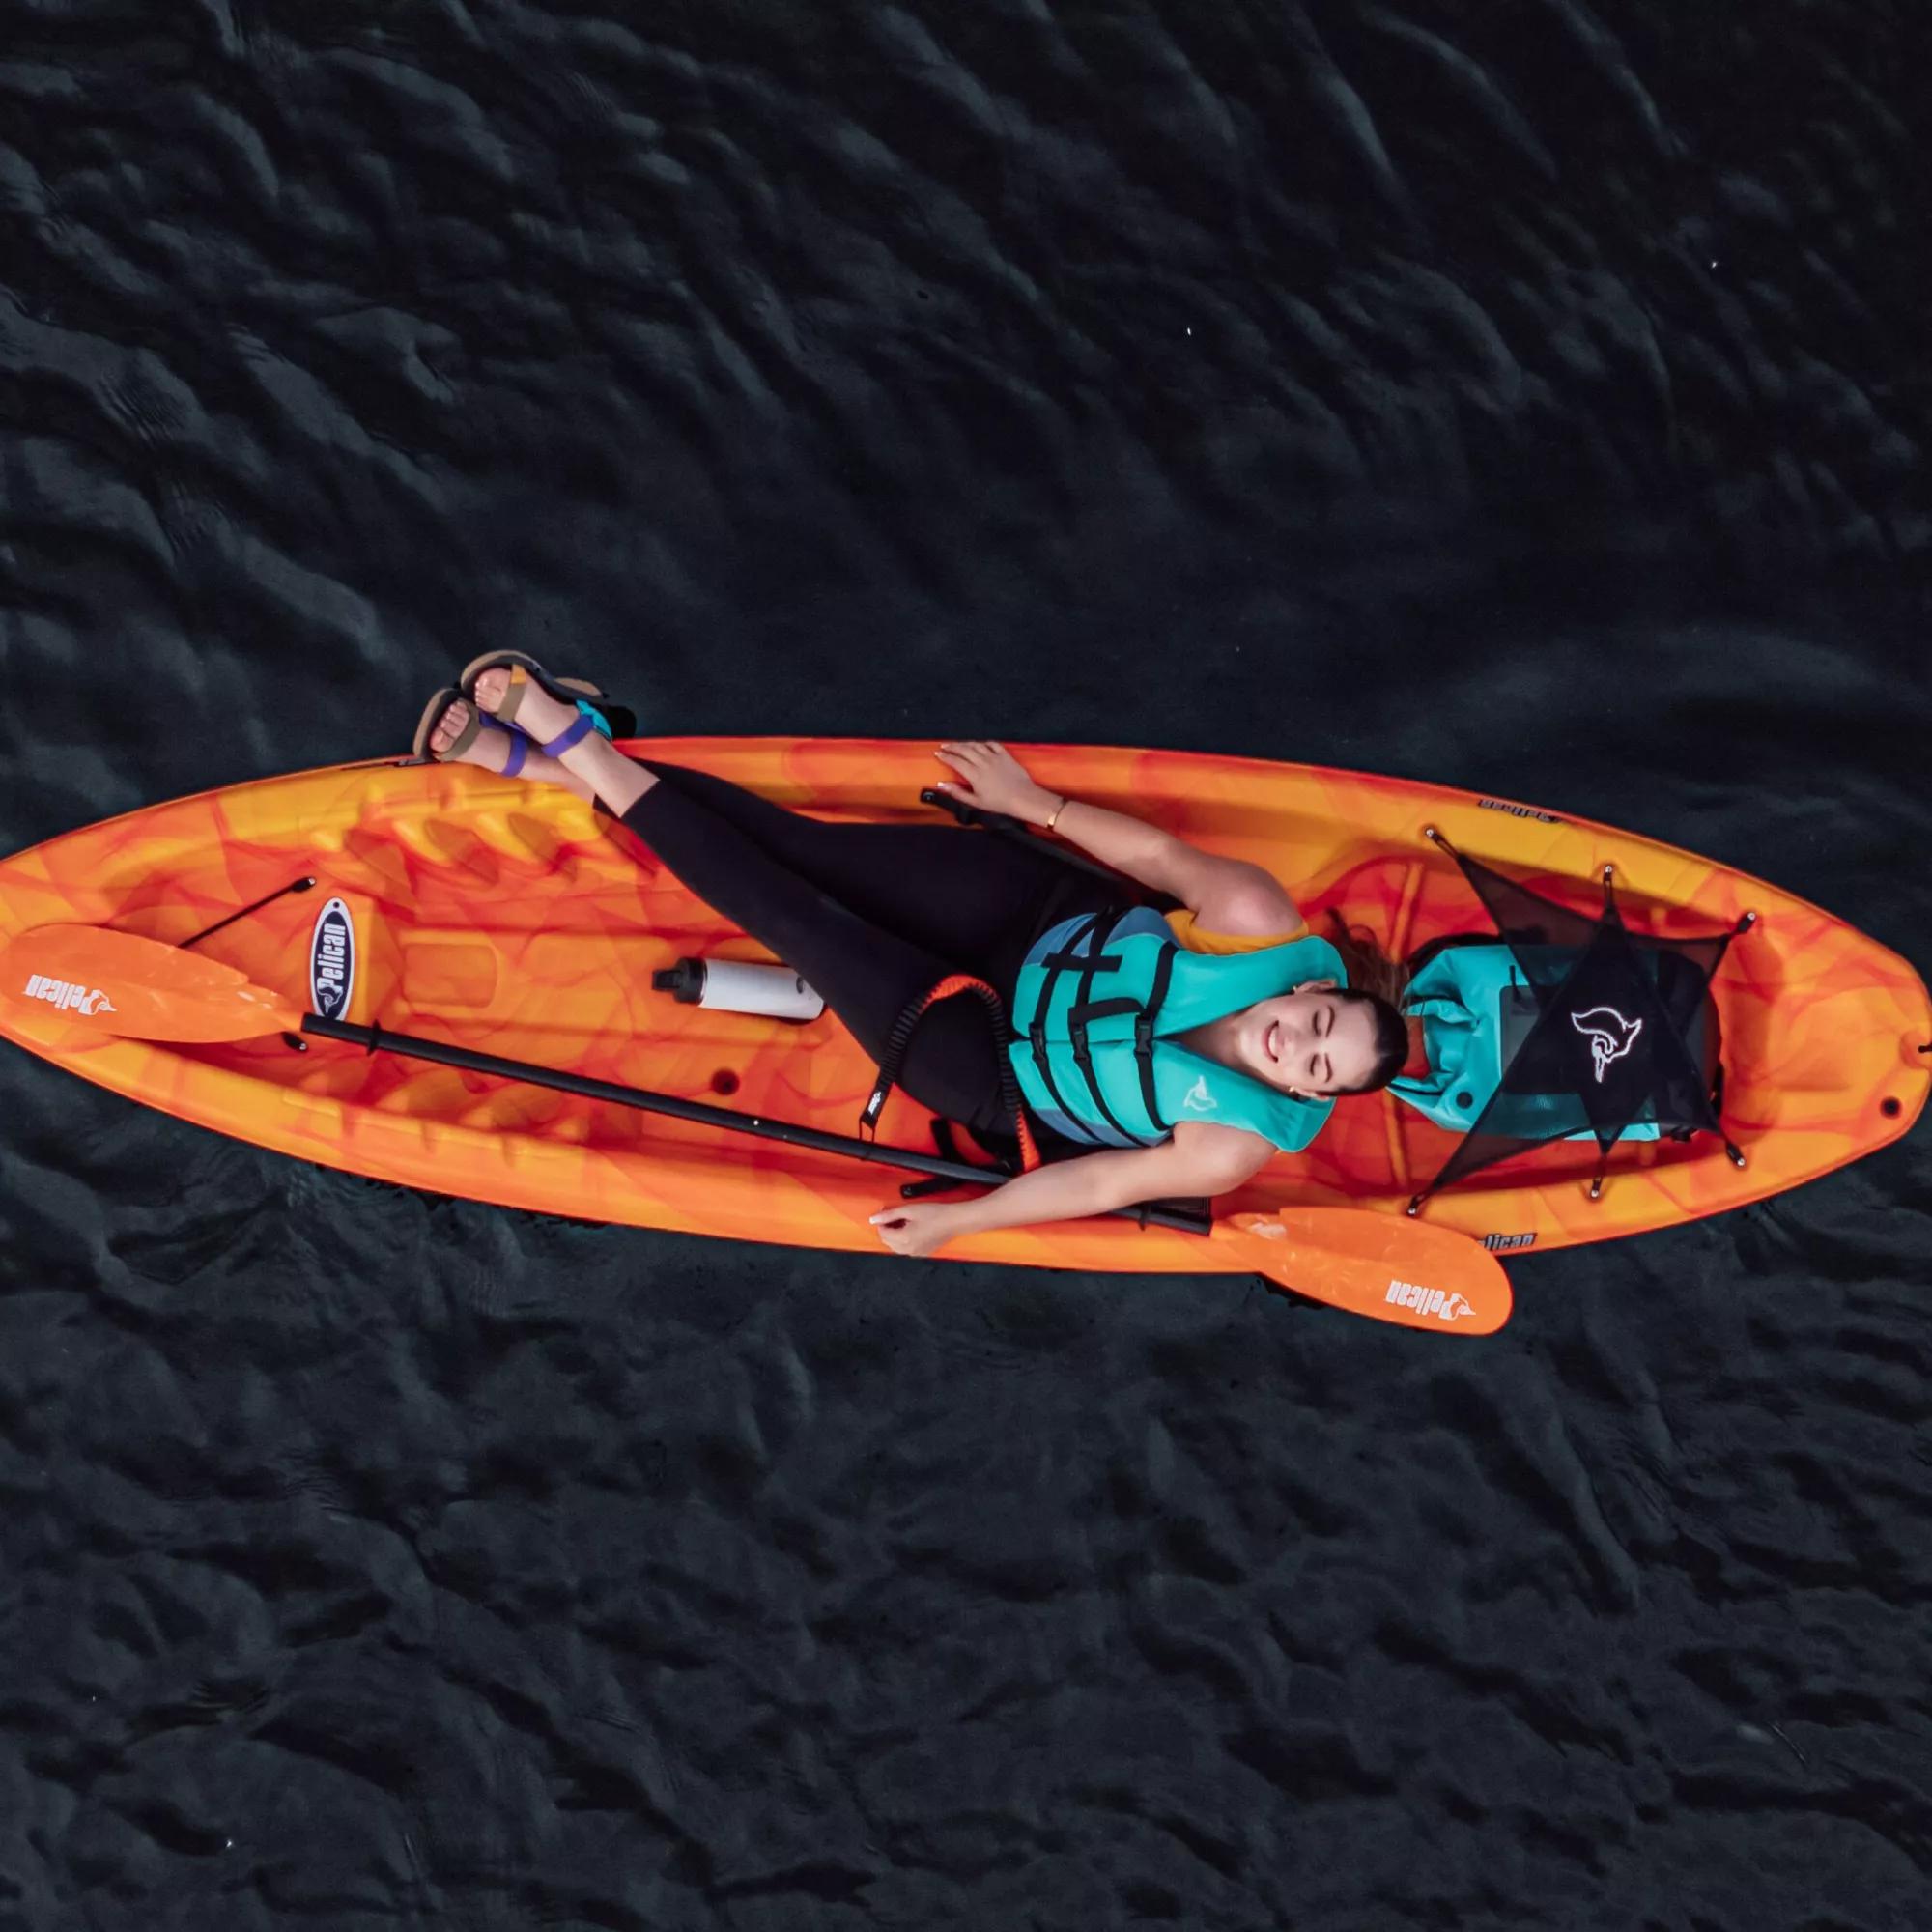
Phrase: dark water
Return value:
(1525, 394)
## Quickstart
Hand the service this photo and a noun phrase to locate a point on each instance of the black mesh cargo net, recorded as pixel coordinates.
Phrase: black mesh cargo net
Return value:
(1616, 1030)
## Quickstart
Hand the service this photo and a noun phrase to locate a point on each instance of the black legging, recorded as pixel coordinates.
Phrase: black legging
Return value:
(874, 916)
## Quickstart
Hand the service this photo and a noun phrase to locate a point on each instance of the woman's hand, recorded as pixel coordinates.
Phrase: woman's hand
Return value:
(916, 1226)
(991, 778)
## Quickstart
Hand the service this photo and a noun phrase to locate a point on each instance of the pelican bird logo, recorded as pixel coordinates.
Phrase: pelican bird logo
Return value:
(1609, 1034)
(1199, 1100)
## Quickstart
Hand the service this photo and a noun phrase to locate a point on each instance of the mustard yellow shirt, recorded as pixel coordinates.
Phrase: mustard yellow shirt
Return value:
(1197, 939)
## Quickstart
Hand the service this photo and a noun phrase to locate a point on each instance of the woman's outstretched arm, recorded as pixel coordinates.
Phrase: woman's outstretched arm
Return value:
(1088, 1184)
(990, 776)
(1200, 1159)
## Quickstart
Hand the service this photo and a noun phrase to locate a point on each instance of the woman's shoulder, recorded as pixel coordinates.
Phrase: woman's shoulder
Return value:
(1187, 928)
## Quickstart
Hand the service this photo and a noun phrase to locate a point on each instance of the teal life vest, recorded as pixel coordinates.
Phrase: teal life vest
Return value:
(1476, 1007)
(1097, 1002)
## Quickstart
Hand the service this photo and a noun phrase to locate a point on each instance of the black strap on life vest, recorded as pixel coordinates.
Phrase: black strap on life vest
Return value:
(1085, 1010)
(1055, 964)
(1163, 972)
(1044, 1067)
(1144, 1017)
(1088, 966)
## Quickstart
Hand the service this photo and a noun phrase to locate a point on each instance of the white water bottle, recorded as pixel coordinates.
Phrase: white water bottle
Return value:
(732, 987)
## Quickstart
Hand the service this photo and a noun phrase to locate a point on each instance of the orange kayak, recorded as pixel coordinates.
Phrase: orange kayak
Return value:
(470, 909)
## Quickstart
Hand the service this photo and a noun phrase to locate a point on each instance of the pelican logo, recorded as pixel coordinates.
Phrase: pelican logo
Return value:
(1446, 1305)
(67, 997)
(1199, 1101)
(332, 961)
(1609, 1034)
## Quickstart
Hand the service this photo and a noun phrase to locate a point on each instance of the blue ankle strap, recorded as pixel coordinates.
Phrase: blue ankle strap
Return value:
(520, 745)
(575, 733)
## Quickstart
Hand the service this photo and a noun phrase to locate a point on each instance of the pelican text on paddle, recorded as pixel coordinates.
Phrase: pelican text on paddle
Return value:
(65, 994)
(1444, 1304)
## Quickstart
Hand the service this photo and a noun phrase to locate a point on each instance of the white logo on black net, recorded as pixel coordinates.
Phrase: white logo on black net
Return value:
(1609, 1034)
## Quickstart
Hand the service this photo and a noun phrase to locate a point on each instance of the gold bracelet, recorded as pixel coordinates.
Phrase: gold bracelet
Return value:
(1056, 811)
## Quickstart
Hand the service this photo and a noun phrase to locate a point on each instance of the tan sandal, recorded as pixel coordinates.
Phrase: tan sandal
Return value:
(479, 723)
(433, 716)
(610, 719)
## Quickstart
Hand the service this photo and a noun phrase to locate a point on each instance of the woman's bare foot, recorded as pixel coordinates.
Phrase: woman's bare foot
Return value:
(492, 748)
(539, 715)
(489, 748)
(594, 767)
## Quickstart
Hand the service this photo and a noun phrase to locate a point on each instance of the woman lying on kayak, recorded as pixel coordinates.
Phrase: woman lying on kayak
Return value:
(1256, 1029)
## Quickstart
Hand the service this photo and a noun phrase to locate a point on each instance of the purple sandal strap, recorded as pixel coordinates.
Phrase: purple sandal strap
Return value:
(520, 745)
(575, 733)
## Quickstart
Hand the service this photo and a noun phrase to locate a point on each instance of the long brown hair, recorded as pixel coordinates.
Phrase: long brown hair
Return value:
(1381, 981)
(1371, 970)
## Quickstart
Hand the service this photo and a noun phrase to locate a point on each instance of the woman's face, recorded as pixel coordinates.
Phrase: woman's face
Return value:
(1308, 1041)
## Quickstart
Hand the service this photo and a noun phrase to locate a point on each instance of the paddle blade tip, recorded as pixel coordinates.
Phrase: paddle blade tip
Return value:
(127, 986)
(1383, 1266)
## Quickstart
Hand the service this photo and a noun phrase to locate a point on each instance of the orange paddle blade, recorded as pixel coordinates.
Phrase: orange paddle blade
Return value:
(1380, 1266)
(121, 983)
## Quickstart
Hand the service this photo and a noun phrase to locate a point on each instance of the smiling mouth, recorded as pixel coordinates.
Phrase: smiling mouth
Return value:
(1274, 1026)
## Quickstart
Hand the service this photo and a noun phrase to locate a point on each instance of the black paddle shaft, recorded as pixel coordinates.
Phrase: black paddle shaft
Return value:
(1188, 1218)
